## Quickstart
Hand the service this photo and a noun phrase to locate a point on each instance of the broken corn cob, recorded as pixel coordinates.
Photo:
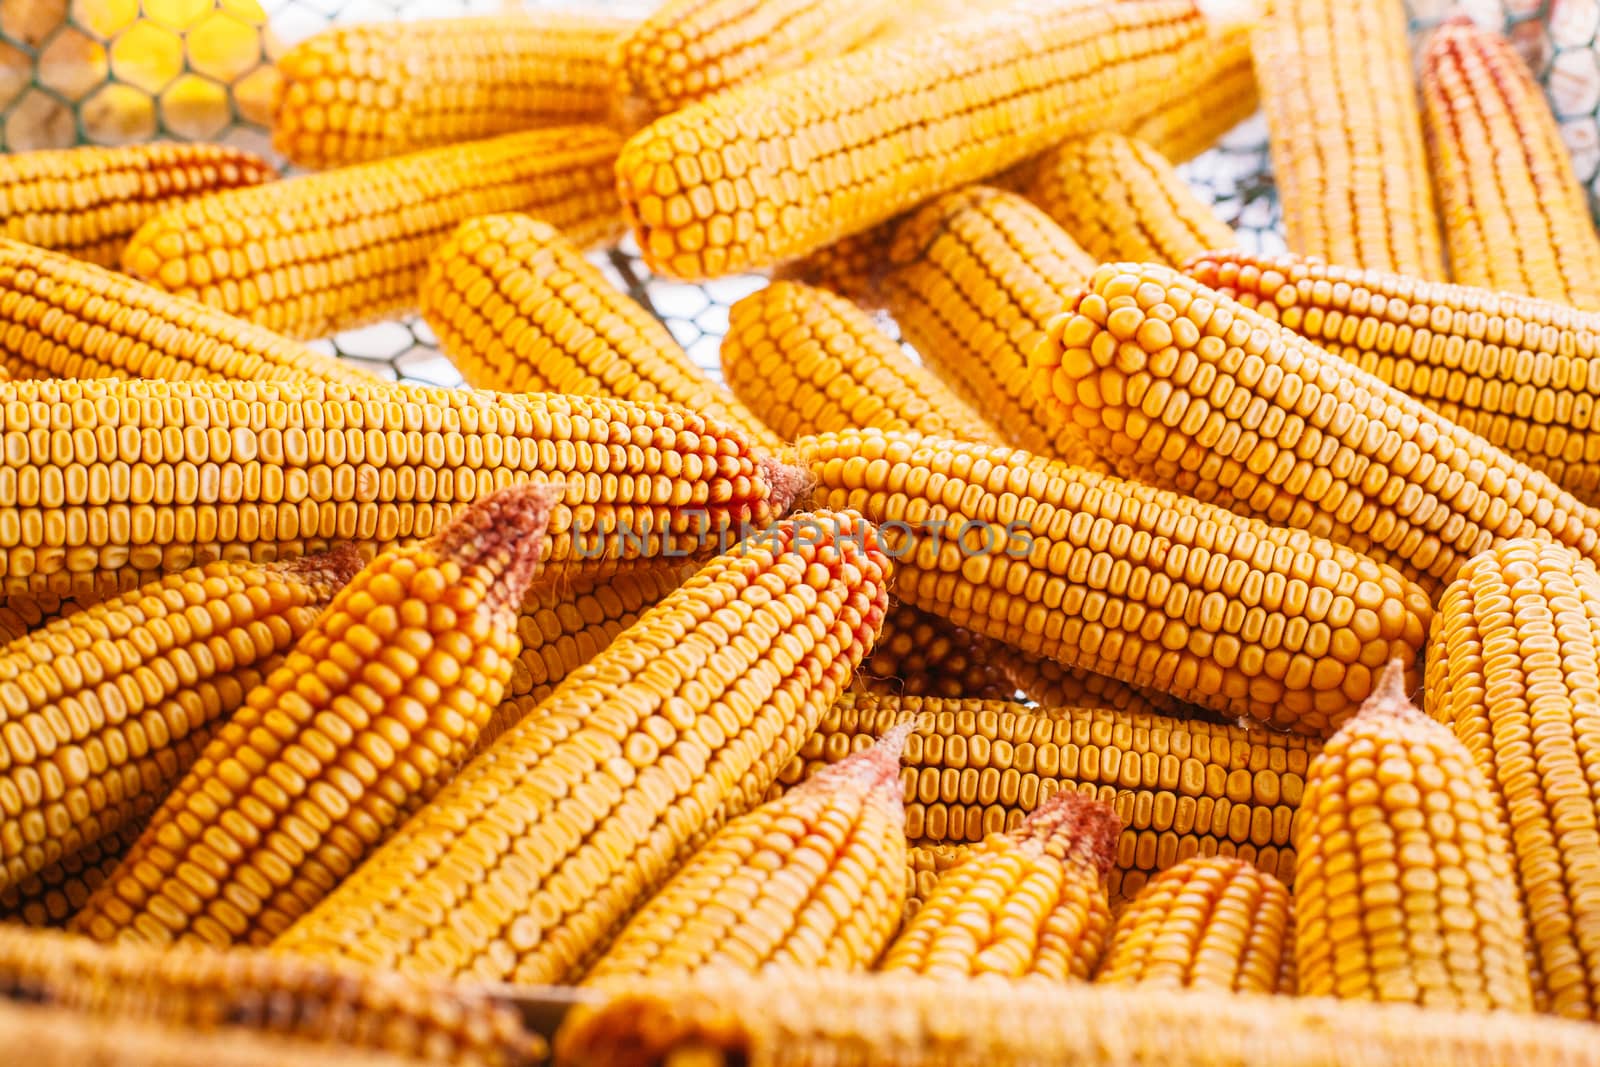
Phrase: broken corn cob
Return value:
(812, 879)
(708, 191)
(313, 255)
(101, 707)
(169, 474)
(1511, 665)
(925, 865)
(1121, 201)
(531, 859)
(1210, 922)
(517, 307)
(1193, 391)
(1122, 579)
(1181, 788)
(686, 50)
(374, 708)
(1220, 92)
(1515, 371)
(53, 895)
(1346, 135)
(86, 202)
(918, 654)
(352, 94)
(1026, 903)
(65, 319)
(1404, 890)
(1515, 216)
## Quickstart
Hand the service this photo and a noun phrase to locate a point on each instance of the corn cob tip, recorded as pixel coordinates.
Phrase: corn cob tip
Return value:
(504, 531)
(334, 567)
(786, 482)
(876, 769)
(1076, 828)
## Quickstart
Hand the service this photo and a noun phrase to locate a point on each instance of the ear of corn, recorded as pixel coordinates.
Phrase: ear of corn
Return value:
(1510, 665)
(918, 654)
(21, 615)
(53, 895)
(1404, 890)
(66, 319)
(517, 307)
(1219, 93)
(1210, 922)
(810, 880)
(709, 191)
(1517, 372)
(313, 255)
(925, 865)
(105, 708)
(1191, 390)
(1181, 788)
(352, 94)
(1515, 216)
(1122, 579)
(686, 50)
(1120, 200)
(1346, 135)
(86, 202)
(532, 858)
(179, 473)
(374, 708)
(1026, 903)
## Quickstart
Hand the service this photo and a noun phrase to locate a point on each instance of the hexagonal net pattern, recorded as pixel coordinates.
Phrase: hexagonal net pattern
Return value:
(125, 71)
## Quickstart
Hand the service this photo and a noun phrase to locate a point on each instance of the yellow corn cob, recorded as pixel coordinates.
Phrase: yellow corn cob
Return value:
(977, 275)
(517, 307)
(55, 893)
(1120, 200)
(351, 94)
(809, 880)
(1146, 586)
(1181, 788)
(99, 710)
(1515, 216)
(1191, 390)
(320, 253)
(1404, 890)
(1346, 134)
(788, 1019)
(21, 615)
(918, 654)
(88, 201)
(1220, 92)
(103, 479)
(529, 861)
(1509, 669)
(1210, 922)
(328, 1004)
(708, 191)
(1026, 903)
(686, 50)
(925, 865)
(62, 318)
(374, 707)
(1515, 371)
(1049, 684)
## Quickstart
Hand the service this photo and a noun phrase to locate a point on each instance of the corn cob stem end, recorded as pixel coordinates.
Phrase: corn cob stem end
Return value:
(1074, 828)
(506, 532)
(786, 482)
(334, 568)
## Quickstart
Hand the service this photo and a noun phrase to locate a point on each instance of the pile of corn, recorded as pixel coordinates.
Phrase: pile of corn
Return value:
(1184, 654)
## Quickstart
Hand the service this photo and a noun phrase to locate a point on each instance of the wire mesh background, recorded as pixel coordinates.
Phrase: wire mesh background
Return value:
(123, 71)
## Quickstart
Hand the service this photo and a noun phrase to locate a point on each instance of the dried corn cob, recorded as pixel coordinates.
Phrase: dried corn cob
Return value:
(324, 1003)
(686, 50)
(1191, 390)
(517, 307)
(55, 893)
(1026, 903)
(21, 615)
(107, 478)
(918, 654)
(320, 253)
(1146, 586)
(1210, 922)
(101, 707)
(351, 94)
(1510, 669)
(66, 319)
(532, 858)
(789, 1020)
(1522, 223)
(1121, 201)
(976, 277)
(87, 201)
(1404, 890)
(1346, 134)
(709, 192)
(374, 707)
(1220, 93)
(977, 767)
(925, 865)
(809, 880)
